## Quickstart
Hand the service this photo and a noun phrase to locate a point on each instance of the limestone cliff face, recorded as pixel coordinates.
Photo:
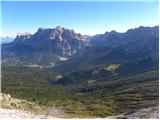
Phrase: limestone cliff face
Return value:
(59, 41)
(43, 47)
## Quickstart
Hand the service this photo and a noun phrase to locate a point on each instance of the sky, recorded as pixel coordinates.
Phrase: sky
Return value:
(87, 18)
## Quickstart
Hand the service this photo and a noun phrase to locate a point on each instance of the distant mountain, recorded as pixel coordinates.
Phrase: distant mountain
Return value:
(48, 46)
(43, 47)
(136, 47)
(6, 39)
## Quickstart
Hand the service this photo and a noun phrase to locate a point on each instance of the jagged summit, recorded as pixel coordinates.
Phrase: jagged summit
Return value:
(46, 34)
(21, 37)
(41, 29)
(25, 33)
(48, 44)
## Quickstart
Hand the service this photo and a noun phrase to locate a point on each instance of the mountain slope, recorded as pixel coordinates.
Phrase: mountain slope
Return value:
(43, 47)
(131, 48)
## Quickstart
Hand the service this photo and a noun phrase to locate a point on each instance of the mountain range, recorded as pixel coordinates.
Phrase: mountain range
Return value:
(85, 76)
(53, 45)
(71, 53)
(6, 39)
(44, 47)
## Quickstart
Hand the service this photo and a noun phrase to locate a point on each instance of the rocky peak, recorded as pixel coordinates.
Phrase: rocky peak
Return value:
(22, 37)
(24, 34)
(41, 29)
(113, 32)
(59, 29)
(59, 41)
(143, 31)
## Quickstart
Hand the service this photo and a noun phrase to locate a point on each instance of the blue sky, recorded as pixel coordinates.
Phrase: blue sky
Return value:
(84, 17)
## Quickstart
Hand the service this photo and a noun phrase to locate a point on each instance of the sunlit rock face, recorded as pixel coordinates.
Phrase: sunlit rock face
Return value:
(60, 41)
(47, 44)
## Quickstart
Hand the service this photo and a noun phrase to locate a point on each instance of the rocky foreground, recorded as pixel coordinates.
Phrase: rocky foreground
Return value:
(149, 113)
(12, 109)
(19, 114)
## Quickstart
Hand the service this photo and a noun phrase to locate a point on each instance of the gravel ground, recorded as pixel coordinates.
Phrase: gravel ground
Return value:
(148, 113)
(13, 112)
(19, 114)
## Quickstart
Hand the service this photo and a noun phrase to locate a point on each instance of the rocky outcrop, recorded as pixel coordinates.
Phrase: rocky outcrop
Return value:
(9, 102)
(20, 114)
(12, 108)
(22, 37)
(43, 47)
(59, 41)
(147, 113)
